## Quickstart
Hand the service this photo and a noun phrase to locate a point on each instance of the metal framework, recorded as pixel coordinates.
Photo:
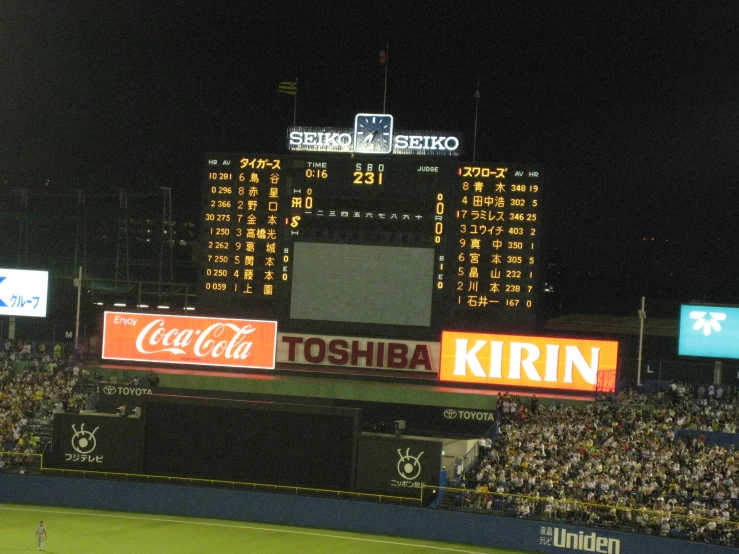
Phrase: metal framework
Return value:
(97, 200)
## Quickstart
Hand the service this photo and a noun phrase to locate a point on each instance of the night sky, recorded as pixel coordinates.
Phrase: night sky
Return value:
(632, 108)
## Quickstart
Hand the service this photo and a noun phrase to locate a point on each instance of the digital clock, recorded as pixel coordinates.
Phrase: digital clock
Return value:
(311, 173)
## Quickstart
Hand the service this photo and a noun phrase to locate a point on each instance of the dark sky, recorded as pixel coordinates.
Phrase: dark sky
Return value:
(631, 106)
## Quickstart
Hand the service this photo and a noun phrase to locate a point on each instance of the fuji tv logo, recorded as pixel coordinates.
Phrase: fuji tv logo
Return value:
(83, 441)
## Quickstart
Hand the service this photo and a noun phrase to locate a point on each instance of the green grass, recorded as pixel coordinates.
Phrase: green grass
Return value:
(80, 531)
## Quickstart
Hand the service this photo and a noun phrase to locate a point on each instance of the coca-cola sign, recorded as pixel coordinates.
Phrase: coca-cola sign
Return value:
(189, 340)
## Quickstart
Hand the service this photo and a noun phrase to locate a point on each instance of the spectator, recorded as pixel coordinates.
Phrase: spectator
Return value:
(617, 455)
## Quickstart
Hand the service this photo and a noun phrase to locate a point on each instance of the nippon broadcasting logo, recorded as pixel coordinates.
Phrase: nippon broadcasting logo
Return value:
(707, 321)
(409, 467)
(83, 441)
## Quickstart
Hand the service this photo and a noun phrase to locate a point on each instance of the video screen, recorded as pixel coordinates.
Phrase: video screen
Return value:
(362, 284)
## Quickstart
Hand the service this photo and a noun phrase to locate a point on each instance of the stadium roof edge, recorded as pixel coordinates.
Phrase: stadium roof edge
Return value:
(613, 325)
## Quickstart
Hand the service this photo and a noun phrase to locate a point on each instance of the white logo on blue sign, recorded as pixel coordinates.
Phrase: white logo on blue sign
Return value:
(707, 324)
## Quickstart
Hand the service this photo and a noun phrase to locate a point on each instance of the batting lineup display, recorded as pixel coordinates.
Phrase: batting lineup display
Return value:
(335, 242)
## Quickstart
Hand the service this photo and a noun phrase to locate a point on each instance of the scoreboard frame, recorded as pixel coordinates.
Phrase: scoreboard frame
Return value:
(482, 221)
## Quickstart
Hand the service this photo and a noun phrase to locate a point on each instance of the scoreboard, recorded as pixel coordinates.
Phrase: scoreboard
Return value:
(371, 245)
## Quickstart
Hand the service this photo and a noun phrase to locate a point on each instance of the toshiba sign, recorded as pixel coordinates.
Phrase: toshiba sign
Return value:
(396, 355)
(189, 340)
(537, 362)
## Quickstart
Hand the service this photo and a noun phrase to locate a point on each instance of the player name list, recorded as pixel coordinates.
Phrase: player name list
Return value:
(496, 237)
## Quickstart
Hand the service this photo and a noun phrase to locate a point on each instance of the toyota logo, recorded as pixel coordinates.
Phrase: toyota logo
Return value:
(109, 389)
(449, 413)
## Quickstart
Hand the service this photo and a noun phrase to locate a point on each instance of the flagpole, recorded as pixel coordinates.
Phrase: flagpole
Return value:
(387, 62)
(295, 102)
(477, 105)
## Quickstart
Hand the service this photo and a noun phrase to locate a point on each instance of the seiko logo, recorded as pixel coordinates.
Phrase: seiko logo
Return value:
(586, 543)
(426, 142)
(317, 138)
(451, 413)
(344, 141)
(126, 391)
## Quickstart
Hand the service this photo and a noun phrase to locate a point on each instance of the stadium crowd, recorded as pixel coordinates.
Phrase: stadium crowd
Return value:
(35, 382)
(618, 463)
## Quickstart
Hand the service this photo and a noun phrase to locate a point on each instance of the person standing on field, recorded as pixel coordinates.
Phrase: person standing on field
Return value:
(41, 535)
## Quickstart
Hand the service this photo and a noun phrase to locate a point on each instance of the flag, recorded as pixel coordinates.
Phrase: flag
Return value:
(383, 56)
(288, 87)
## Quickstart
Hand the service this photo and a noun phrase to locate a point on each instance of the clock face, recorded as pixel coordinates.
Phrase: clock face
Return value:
(373, 133)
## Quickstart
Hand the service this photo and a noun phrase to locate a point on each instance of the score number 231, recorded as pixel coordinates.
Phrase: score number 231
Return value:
(368, 174)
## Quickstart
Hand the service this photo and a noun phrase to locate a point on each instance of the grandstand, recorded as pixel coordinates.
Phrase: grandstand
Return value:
(658, 464)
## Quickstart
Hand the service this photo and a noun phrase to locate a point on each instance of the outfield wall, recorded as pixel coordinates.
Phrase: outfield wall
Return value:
(363, 517)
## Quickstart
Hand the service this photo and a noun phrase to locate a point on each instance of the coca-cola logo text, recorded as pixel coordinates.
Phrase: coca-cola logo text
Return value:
(155, 338)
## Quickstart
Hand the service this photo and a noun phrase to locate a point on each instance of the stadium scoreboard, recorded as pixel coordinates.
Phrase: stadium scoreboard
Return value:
(334, 243)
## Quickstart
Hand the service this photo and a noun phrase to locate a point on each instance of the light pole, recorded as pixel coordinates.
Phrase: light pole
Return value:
(642, 317)
(78, 284)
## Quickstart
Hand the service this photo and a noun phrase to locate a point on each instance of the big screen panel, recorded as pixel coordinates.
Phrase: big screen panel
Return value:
(398, 280)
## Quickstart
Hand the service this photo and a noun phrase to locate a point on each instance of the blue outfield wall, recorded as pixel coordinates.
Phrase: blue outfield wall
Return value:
(343, 515)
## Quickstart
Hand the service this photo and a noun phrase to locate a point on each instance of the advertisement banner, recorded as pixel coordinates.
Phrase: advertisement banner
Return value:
(397, 466)
(111, 396)
(397, 355)
(23, 293)
(564, 364)
(174, 339)
(433, 421)
(709, 331)
(98, 443)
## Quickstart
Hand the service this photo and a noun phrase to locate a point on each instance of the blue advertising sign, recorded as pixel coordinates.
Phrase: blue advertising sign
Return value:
(709, 331)
(23, 292)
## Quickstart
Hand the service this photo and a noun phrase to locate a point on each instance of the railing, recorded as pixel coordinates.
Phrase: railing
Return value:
(467, 461)
(18, 462)
(471, 457)
(677, 523)
(23, 461)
